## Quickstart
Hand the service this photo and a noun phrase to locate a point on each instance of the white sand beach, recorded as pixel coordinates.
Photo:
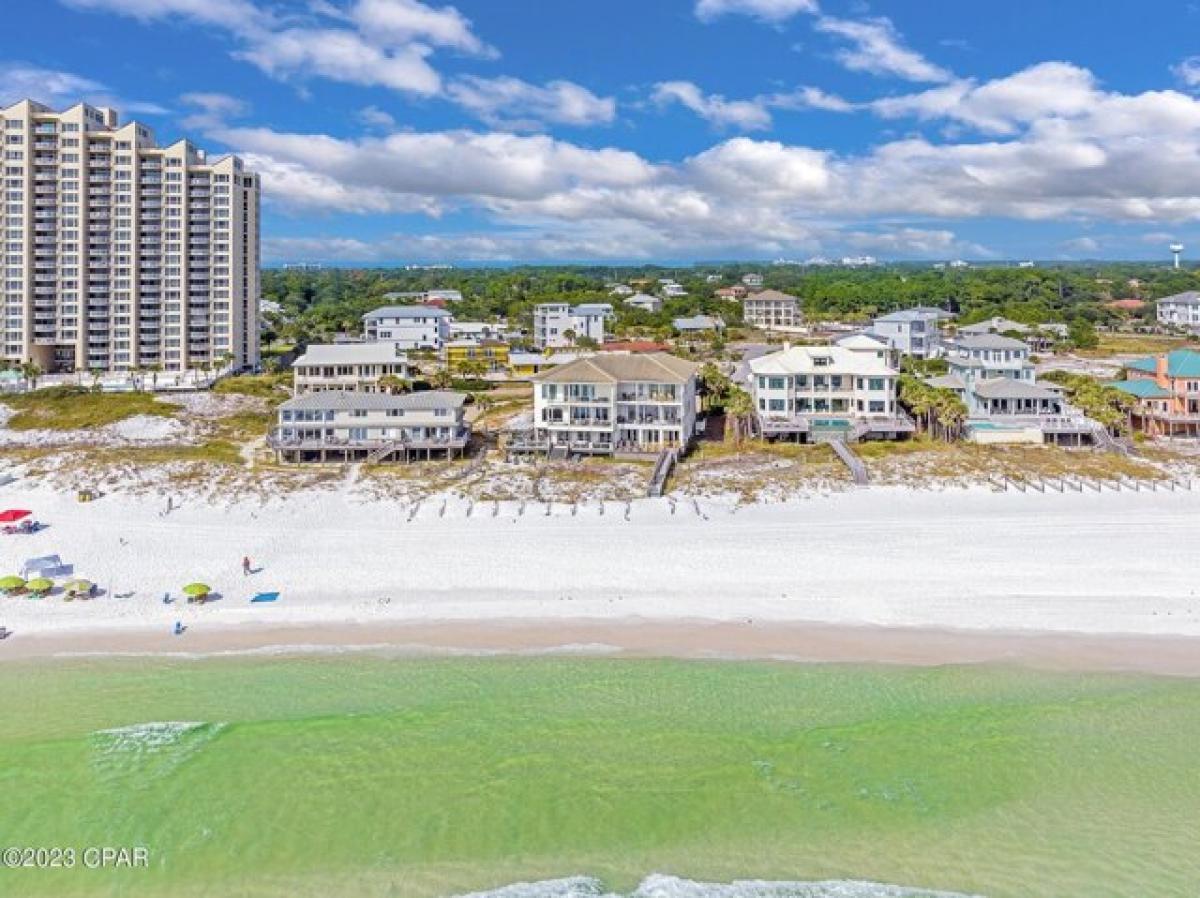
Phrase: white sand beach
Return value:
(971, 560)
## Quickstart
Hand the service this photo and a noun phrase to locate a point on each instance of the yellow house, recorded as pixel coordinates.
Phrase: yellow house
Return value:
(493, 353)
(524, 365)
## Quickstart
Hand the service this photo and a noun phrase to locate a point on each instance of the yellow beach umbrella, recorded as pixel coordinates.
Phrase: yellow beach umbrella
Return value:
(40, 584)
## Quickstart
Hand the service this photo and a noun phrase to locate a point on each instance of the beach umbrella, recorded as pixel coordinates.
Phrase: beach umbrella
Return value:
(74, 586)
(197, 589)
(12, 515)
(40, 584)
(8, 584)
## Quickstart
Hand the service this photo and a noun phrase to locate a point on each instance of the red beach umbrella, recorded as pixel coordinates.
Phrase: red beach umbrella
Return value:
(13, 515)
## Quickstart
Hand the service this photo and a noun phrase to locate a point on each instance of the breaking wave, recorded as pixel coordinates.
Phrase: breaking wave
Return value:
(149, 751)
(658, 886)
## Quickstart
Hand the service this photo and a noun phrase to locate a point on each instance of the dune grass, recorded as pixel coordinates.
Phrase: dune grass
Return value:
(76, 408)
(275, 388)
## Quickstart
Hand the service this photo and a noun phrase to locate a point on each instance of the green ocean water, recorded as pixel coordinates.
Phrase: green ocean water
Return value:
(360, 775)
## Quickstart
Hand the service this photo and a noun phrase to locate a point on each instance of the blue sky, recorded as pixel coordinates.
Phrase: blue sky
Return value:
(627, 130)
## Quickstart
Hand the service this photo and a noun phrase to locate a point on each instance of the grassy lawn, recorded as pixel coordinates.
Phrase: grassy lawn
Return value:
(1135, 344)
(74, 408)
(273, 387)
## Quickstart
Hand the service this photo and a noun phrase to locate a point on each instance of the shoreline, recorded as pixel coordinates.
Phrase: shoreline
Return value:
(633, 638)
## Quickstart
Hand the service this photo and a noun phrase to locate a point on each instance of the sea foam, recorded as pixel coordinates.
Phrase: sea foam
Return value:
(149, 750)
(660, 886)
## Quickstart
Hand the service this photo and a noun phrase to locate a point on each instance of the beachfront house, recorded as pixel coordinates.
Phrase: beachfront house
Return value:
(1038, 337)
(811, 394)
(1180, 310)
(1166, 389)
(697, 324)
(425, 296)
(348, 366)
(492, 354)
(995, 379)
(559, 324)
(645, 302)
(771, 310)
(410, 327)
(524, 365)
(339, 425)
(912, 332)
(612, 403)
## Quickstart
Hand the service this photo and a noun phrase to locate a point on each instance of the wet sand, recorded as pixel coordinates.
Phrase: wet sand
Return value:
(641, 638)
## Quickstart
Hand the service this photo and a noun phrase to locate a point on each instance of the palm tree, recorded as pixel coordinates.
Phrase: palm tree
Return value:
(31, 371)
(714, 386)
(394, 384)
(441, 379)
(739, 415)
(472, 368)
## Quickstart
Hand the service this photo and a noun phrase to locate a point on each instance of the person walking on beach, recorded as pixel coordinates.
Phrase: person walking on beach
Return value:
(246, 566)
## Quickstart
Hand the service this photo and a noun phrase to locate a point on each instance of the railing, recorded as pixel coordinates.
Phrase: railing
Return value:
(460, 438)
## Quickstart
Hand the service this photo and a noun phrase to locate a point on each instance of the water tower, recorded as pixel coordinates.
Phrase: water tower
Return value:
(1176, 249)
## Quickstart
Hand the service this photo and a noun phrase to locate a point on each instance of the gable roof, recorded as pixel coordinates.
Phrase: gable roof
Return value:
(990, 341)
(406, 312)
(1141, 387)
(657, 367)
(345, 400)
(1011, 388)
(800, 360)
(1187, 298)
(1180, 363)
(995, 325)
(920, 313)
(772, 296)
(863, 342)
(383, 353)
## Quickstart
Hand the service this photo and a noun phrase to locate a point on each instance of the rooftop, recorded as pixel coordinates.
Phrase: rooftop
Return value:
(656, 367)
(406, 312)
(1187, 298)
(1180, 363)
(351, 354)
(771, 296)
(343, 400)
(1141, 387)
(919, 313)
(1011, 388)
(801, 360)
(990, 341)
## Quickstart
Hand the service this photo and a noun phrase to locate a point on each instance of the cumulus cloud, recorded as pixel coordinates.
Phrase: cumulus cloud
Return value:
(1188, 72)
(513, 103)
(764, 10)
(874, 46)
(211, 109)
(746, 115)
(753, 114)
(23, 81)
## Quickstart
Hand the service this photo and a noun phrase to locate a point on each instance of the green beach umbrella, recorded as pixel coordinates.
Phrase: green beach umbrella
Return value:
(40, 584)
(197, 589)
(10, 583)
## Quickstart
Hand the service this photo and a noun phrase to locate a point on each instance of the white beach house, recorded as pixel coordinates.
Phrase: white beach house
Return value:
(339, 425)
(813, 393)
(559, 324)
(613, 403)
(913, 332)
(994, 377)
(1180, 310)
(771, 310)
(348, 366)
(410, 327)
(645, 302)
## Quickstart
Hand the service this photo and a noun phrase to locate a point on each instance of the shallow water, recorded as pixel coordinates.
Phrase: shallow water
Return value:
(364, 776)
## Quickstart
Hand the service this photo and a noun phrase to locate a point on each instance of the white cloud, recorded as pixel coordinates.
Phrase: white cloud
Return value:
(236, 15)
(1002, 105)
(765, 10)
(1081, 246)
(746, 115)
(22, 81)
(342, 55)
(374, 117)
(1188, 72)
(211, 109)
(404, 21)
(513, 103)
(876, 47)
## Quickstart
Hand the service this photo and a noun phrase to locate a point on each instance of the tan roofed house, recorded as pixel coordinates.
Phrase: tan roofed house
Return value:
(613, 403)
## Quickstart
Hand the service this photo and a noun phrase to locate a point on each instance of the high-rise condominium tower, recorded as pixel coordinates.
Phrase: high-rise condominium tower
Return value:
(122, 254)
